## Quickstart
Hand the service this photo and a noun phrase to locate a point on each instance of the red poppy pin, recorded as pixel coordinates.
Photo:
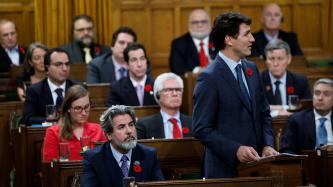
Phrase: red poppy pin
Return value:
(290, 90)
(211, 46)
(185, 130)
(97, 50)
(137, 167)
(22, 50)
(148, 89)
(249, 72)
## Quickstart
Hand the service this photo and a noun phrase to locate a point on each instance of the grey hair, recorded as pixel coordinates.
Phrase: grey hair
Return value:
(108, 115)
(326, 81)
(158, 84)
(277, 44)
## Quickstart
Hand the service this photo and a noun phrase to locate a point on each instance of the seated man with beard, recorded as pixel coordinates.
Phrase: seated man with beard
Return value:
(120, 156)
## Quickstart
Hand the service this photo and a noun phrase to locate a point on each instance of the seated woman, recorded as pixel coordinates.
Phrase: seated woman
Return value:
(72, 126)
(33, 68)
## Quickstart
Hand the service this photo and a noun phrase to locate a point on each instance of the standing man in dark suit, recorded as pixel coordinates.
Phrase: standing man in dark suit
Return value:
(231, 113)
(83, 49)
(193, 51)
(121, 156)
(111, 66)
(10, 52)
(311, 128)
(169, 123)
(271, 19)
(278, 58)
(49, 91)
(136, 89)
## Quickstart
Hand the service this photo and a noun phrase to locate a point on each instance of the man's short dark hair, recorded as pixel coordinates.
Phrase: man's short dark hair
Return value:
(132, 47)
(81, 16)
(126, 30)
(227, 24)
(47, 58)
(108, 115)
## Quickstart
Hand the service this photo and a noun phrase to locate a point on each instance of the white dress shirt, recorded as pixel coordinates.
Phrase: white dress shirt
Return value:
(168, 126)
(117, 155)
(53, 87)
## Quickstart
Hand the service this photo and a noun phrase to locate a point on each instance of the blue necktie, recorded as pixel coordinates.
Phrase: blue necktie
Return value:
(242, 85)
(122, 72)
(60, 98)
(321, 133)
(277, 94)
(123, 166)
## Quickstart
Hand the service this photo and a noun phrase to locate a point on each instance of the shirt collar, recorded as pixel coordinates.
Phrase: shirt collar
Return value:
(230, 63)
(270, 38)
(197, 41)
(117, 155)
(53, 87)
(142, 82)
(318, 116)
(283, 79)
(16, 48)
(166, 116)
(117, 65)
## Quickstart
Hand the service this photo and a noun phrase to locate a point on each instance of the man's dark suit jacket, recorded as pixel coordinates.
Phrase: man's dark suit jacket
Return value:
(100, 168)
(122, 92)
(298, 82)
(258, 47)
(6, 62)
(223, 121)
(101, 70)
(184, 55)
(152, 126)
(76, 53)
(300, 133)
(38, 95)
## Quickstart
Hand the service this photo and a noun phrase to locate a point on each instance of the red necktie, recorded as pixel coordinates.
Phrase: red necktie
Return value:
(202, 55)
(176, 131)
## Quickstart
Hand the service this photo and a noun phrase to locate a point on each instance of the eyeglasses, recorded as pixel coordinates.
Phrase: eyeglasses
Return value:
(79, 109)
(60, 64)
(197, 22)
(171, 90)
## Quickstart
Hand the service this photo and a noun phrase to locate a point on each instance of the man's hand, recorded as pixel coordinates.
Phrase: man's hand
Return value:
(247, 154)
(269, 151)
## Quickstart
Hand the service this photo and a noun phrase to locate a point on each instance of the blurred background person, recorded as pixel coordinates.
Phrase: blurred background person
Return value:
(33, 68)
(73, 125)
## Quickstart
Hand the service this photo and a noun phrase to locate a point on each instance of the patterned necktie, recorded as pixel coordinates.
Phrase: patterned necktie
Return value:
(202, 55)
(242, 85)
(123, 166)
(277, 94)
(87, 55)
(60, 98)
(122, 72)
(139, 93)
(321, 133)
(175, 128)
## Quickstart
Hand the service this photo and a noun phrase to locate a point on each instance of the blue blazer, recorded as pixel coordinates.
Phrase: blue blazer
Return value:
(297, 81)
(100, 168)
(223, 121)
(300, 133)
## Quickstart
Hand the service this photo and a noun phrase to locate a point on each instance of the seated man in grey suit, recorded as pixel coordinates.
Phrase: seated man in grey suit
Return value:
(169, 123)
(83, 49)
(111, 66)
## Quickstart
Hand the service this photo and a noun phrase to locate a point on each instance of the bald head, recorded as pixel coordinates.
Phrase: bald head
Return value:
(271, 17)
(8, 36)
(199, 23)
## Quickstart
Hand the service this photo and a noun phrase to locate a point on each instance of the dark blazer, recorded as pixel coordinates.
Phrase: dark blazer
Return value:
(297, 81)
(6, 62)
(101, 69)
(122, 92)
(38, 95)
(76, 53)
(258, 47)
(223, 121)
(100, 168)
(184, 55)
(300, 133)
(152, 126)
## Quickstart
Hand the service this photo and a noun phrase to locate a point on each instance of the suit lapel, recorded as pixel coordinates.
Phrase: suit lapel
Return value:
(268, 87)
(230, 79)
(131, 93)
(185, 125)
(159, 126)
(290, 83)
(137, 159)
(249, 81)
(310, 124)
(147, 96)
(193, 50)
(111, 165)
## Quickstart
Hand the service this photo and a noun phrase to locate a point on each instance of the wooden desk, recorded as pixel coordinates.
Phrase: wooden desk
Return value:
(99, 94)
(284, 169)
(78, 72)
(230, 182)
(318, 167)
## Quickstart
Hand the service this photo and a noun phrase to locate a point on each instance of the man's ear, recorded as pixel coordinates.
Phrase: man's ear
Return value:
(108, 136)
(228, 40)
